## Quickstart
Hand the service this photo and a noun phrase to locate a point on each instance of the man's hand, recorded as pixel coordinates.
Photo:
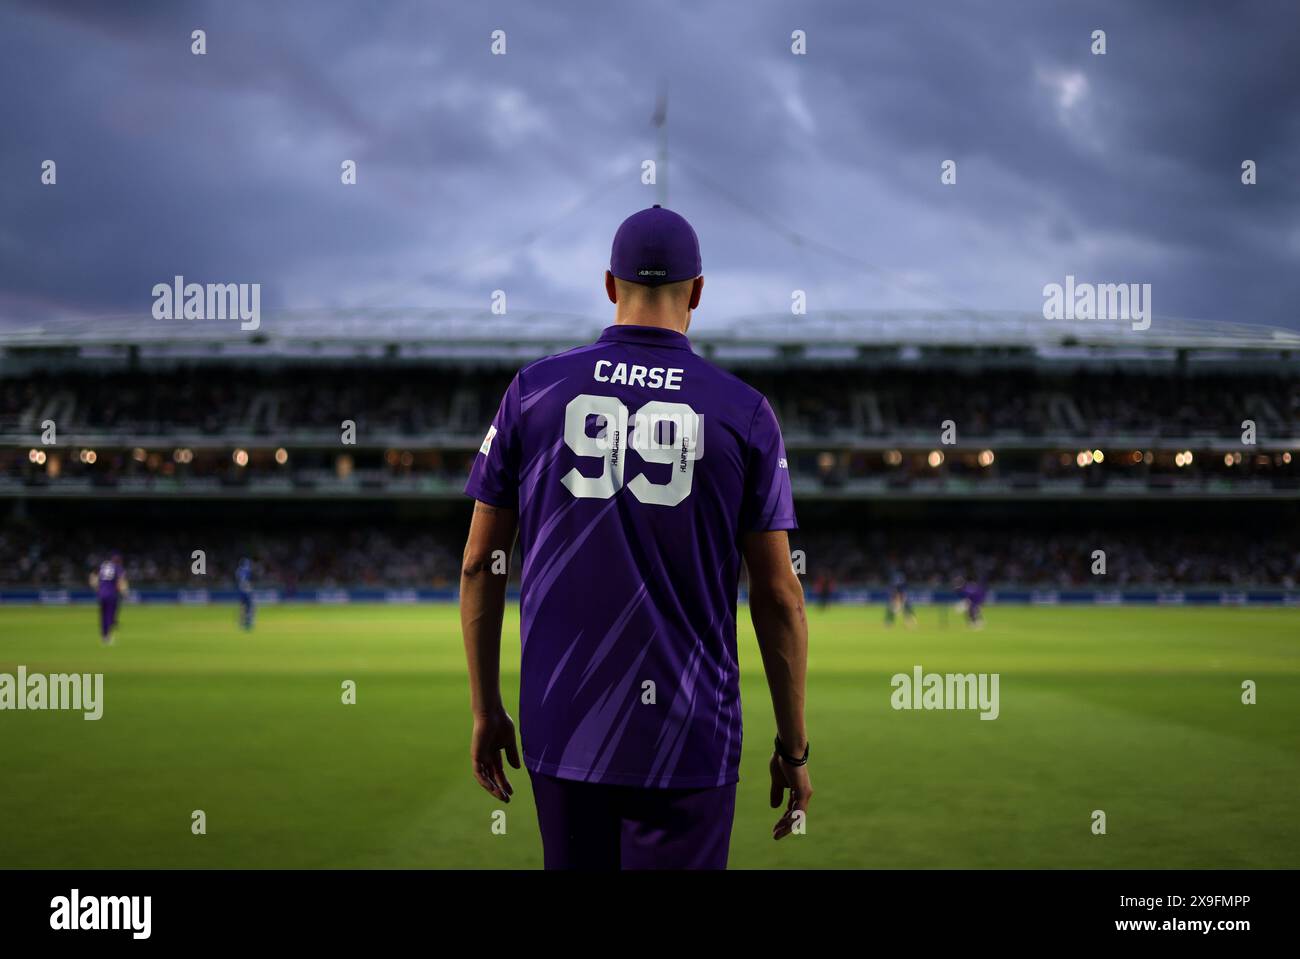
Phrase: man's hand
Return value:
(776, 606)
(482, 607)
(494, 732)
(795, 779)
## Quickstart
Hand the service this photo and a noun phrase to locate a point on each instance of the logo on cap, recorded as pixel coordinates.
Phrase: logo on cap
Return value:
(655, 246)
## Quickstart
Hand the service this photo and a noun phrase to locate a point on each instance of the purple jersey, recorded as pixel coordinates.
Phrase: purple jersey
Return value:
(109, 575)
(636, 468)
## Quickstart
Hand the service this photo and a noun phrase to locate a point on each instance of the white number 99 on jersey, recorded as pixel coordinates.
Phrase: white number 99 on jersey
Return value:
(662, 432)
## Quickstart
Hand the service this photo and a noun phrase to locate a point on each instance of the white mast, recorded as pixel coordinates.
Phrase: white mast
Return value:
(660, 120)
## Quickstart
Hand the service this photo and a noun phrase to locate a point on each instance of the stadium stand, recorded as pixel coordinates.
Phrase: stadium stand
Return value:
(1065, 439)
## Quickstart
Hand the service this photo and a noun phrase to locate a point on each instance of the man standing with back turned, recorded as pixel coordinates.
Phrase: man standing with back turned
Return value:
(636, 475)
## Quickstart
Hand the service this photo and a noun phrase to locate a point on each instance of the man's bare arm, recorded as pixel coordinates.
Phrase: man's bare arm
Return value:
(777, 609)
(482, 609)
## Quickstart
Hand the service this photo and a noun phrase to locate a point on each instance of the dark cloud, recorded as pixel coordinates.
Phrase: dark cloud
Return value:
(818, 172)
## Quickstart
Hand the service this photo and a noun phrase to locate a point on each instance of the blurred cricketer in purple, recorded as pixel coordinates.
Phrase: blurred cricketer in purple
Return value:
(109, 583)
(636, 476)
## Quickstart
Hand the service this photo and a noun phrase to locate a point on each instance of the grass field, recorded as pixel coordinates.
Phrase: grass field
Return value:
(1136, 712)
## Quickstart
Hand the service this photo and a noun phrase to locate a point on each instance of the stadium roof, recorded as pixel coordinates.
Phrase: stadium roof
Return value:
(465, 333)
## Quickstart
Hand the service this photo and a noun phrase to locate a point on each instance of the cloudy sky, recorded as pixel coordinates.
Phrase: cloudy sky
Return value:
(818, 172)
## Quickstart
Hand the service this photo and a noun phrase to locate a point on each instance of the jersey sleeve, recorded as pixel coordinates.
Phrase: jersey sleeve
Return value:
(494, 477)
(768, 503)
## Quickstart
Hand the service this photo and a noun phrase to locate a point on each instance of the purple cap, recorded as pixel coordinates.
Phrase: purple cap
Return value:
(654, 247)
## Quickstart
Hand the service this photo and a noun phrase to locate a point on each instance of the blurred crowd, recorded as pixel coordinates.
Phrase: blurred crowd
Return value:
(422, 557)
(1041, 558)
(817, 401)
(284, 559)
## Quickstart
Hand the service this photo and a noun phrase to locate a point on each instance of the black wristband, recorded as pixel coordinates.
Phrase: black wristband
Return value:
(792, 760)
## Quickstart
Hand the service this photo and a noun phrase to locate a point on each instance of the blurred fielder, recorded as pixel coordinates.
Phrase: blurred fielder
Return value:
(109, 583)
(244, 587)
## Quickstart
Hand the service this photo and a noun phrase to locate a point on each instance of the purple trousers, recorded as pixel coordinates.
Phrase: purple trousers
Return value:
(599, 826)
(107, 616)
